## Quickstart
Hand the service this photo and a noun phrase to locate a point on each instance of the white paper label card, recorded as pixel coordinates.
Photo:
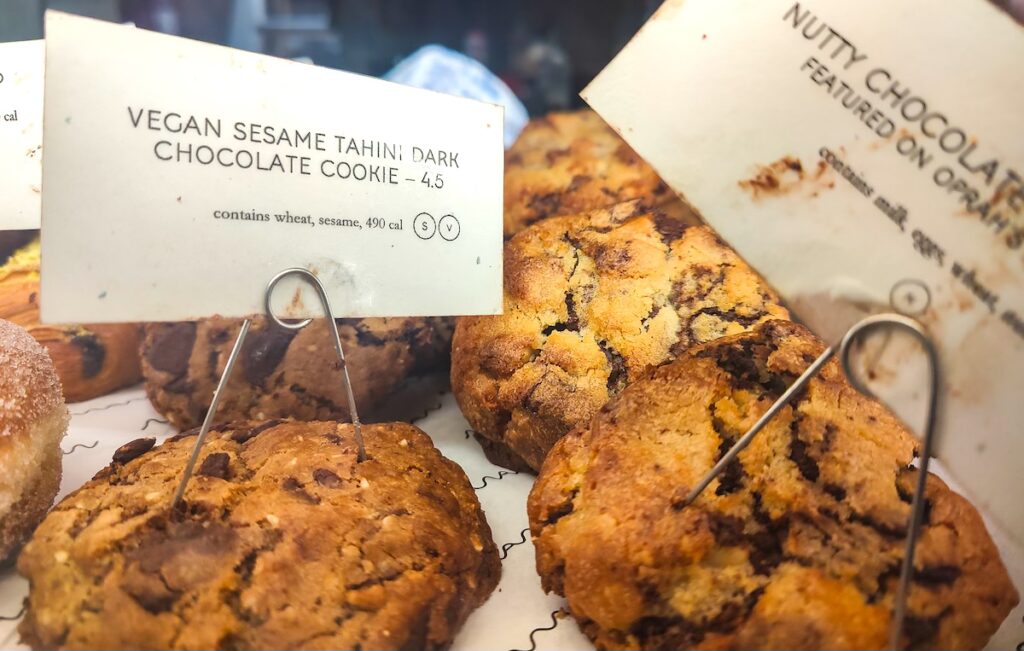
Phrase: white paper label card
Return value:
(21, 133)
(865, 157)
(179, 177)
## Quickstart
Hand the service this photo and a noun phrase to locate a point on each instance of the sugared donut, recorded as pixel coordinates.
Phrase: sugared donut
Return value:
(33, 420)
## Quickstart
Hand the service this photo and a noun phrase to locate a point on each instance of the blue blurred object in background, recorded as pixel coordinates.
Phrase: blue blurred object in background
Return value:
(437, 68)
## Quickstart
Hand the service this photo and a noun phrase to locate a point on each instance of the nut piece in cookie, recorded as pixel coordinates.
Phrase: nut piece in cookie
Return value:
(567, 163)
(591, 302)
(285, 373)
(33, 420)
(797, 545)
(283, 541)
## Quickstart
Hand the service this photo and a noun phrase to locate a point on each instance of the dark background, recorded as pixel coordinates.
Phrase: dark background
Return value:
(546, 50)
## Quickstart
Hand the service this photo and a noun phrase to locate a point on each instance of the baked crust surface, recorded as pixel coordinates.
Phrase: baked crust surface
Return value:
(33, 420)
(282, 373)
(570, 162)
(592, 301)
(797, 545)
(284, 541)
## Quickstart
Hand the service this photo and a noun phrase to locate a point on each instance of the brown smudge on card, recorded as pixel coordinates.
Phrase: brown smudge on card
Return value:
(786, 176)
(296, 303)
(775, 178)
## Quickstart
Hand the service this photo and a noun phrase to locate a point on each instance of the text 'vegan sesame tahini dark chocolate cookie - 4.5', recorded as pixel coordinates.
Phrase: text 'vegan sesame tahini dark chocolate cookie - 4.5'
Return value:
(797, 545)
(571, 162)
(591, 301)
(285, 373)
(284, 541)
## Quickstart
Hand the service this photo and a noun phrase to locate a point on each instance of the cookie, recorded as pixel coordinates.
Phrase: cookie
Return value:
(91, 360)
(284, 541)
(33, 420)
(591, 301)
(285, 373)
(797, 545)
(568, 163)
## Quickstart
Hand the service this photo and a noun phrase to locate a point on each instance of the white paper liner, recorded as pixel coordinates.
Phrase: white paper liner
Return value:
(518, 614)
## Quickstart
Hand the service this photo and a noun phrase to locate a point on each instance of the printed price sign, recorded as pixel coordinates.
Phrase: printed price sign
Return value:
(181, 176)
(21, 133)
(865, 157)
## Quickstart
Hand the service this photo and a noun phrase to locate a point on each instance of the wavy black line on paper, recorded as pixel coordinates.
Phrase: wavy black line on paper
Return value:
(468, 433)
(12, 618)
(106, 407)
(539, 629)
(150, 421)
(80, 445)
(509, 545)
(501, 475)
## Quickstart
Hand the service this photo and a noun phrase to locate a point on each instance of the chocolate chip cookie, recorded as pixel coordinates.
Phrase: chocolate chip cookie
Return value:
(284, 541)
(285, 373)
(591, 301)
(797, 545)
(567, 163)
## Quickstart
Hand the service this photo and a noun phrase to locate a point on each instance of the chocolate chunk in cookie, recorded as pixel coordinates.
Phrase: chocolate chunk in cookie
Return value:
(591, 302)
(571, 162)
(798, 547)
(285, 541)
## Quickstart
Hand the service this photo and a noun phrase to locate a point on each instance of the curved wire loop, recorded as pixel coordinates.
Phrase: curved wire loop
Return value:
(917, 504)
(311, 278)
(845, 350)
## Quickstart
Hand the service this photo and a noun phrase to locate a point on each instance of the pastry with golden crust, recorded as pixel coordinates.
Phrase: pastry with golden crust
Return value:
(797, 545)
(592, 301)
(284, 541)
(33, 420)
(571, 162)
(91, 360)
(285, 373)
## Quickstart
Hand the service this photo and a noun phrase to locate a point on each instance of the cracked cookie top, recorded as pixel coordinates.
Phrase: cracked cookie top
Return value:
(797, 545)
(284, 541)
(566, 163)
(591, 302)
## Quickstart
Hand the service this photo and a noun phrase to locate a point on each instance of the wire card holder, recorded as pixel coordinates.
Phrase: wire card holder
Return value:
(311, 278)
(917, 504)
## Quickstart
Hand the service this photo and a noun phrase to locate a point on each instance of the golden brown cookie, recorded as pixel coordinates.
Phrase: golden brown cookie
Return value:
(91, 360)
(591, 301)
(284, 541)
(797, 545)
(33, 420)
(285, 373)
(567, 163)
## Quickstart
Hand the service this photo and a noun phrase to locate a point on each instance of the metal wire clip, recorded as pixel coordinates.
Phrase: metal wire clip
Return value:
(917, 505)
(311, 278)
